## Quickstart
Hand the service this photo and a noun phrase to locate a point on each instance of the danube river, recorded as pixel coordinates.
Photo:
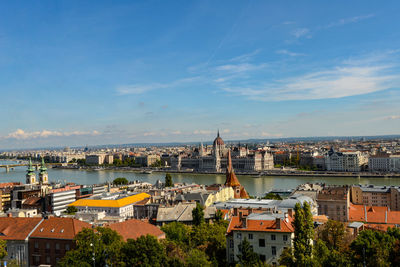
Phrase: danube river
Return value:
(255, 186)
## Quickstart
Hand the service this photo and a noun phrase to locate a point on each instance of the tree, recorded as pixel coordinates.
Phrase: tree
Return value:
(272, 196)
(333, 233)
(144, 251)
(198, 214)
(219, 216)
(120, 181)
(71, 210)
(177, 232)
(168, 180)
(196, 258)
(104, 244)
(287, 258)
(248, 257)
(303, 234)
(3, 251)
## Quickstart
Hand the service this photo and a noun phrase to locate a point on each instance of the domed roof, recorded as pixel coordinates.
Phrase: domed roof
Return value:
(218, 140)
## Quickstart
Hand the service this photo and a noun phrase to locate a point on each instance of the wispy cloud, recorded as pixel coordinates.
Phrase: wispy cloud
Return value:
(345, 21)
(301, 32)
(135, 89)
(242, 67)
(246, 57)
(341, 81)
(202, 132)
(20, 134)
(392, 117)
(289, 53)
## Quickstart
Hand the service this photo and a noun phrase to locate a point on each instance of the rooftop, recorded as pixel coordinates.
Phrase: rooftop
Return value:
(113, 203)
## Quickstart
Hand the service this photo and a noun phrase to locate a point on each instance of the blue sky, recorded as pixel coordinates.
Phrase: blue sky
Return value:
(101, 72)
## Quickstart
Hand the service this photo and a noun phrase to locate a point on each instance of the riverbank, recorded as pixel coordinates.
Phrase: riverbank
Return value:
(292, 173)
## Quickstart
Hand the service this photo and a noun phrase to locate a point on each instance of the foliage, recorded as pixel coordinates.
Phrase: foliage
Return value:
(81, 162)
(104, 246)
(219, 216)
(272, 196)
(157, 163)
(177, 232)
(126, 162)
(303, 234)
(120, 181)
(168, 180)
(333, 234)
(3, 251)
(287, 258)
(198, 214)
(248, 257)
(71, 210)
(144, 251)
(196, 258)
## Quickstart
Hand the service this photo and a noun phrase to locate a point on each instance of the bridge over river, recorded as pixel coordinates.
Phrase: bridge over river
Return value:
(9, 167)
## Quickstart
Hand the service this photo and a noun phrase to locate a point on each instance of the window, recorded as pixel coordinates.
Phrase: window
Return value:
(284, 237)
(48, 260)
(273, 250)
(239, 235)
(261, 242)
(240, 248)
(36, 244)
(231, 243)
(57, 246)
(67, 247)
(47, 245)
(250, 236)
(262, 258)
(273, 237)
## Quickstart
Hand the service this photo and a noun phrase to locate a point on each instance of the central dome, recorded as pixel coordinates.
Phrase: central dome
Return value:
(218, 141)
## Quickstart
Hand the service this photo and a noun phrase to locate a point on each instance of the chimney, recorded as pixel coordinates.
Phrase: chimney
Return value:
(278, 223)
(9, 214)
(290, 213)
(235, 211)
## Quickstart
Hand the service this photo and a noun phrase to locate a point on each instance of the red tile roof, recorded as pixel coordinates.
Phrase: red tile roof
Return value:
(373, 214)
(59, 228)
(132, 229)
(17, 228)
(260, 225)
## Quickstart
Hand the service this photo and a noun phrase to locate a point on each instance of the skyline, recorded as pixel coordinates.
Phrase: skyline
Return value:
(101, 73)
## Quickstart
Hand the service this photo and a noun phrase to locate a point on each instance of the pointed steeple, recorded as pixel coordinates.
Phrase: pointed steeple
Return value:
(231, 179)
(30, 168)
(43, 167)
(218, 133)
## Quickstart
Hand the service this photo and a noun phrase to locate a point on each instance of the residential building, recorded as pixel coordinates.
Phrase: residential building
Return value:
(268, 234)
(372, 195)
(345, 161)
(16, 231)
(334, 201)
(97, 159)
(60, 198)
(52, 239)
(113, 204)
(182, 212)
(384, 162)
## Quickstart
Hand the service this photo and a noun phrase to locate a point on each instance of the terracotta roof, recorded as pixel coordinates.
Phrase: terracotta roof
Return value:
(110, 202)
(32, 200)
(132, 229)
(17, 228)
(373, 214)
(243, 193)
(260, 226)
(59, 228)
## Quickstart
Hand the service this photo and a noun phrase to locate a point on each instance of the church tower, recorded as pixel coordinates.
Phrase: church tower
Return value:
(43, 175)
(30, 174)
(233, 181)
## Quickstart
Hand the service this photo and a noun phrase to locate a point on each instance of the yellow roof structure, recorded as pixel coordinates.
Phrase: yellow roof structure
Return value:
(111, 203)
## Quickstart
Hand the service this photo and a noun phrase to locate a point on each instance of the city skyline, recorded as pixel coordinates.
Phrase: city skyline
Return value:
(106, 73)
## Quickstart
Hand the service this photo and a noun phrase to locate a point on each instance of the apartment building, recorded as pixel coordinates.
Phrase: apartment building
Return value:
(384, 162)
(371, 195)
(334, 202)
(268, 233)
(60, 198)
(345, 161)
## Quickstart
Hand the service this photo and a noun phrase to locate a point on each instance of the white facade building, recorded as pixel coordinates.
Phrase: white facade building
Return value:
(384, 163)
(345, 161)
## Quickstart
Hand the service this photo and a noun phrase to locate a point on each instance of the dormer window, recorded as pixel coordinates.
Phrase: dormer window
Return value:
(52, 230)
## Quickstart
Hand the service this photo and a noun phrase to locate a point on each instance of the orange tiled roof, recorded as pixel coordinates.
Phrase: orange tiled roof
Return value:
(17, 228)
(132, 229)
(260, 226)
(59, 228)
(373, 214)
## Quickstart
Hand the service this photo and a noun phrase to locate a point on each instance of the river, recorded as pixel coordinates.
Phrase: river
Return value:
(255, 186)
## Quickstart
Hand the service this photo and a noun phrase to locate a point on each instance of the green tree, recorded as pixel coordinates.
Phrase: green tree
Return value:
(287, 258)
(247, 256)
(3, 251)
(219, 216)
(198, 214)
(71, 210)
(196, 258)
(120, 181)
(303, 234)
(104, 244)
(333, 234)
(272, 196)
(144, 251)
(177, 232)
(168, 180)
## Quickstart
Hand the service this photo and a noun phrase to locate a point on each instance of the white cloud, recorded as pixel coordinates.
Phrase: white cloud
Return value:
(202, 132)
(135, 89)
(289, 53)
(341, 81)
(246, 57)
(176, 132)
(301, 32)
(345, 21)
(238, 68)
(393, 117)
(20, 134)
